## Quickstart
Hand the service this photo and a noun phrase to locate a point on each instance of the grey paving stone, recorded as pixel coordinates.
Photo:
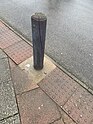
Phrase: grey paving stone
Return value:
(4, 70)
(8, 105)
(2, 54)
(11, 120)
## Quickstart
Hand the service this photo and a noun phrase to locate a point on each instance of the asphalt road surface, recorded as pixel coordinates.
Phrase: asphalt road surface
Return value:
(69, 38)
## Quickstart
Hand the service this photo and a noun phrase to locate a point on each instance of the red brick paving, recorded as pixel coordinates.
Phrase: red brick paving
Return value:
(70, 96)
(37, 108)
(80, 106)
(19, 52)
(2, 25)
(17, 49)
(3, 28)
(8, 38)
(58, 86)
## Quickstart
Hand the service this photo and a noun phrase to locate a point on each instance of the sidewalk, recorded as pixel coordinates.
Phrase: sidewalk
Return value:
(28, 96)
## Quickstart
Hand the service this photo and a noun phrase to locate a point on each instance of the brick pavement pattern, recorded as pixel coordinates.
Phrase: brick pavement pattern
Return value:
(76, 101)
(7, 38)
(58, 86)
(58, 100)
(19, 52)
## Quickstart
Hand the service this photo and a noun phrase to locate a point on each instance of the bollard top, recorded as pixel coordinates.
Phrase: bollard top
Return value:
(39, 17)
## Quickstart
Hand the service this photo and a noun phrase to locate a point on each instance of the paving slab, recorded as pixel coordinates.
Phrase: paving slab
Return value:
(22, 82)
(80, 106)
(58, 86)
(8, 105)
(12, 120)
(8, 38)
(2, 54)
(4, 70)
(37, 108)
(76, 101)
(19, 52)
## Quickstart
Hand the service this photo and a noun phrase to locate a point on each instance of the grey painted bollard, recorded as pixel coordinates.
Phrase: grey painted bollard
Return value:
(38, 21)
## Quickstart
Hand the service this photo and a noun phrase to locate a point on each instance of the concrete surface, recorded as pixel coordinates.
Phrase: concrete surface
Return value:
(36, 75)
(4, 70)
(69, 30)
(12, 120)
(2, 54)
(8, 106)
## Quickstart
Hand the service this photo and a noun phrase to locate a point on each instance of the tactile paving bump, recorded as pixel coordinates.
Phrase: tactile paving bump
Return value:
(58, 86)
(80, 107)
(19, 52)
(7, 38)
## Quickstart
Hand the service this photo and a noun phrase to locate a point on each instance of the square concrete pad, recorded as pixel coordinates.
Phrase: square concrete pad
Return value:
(12, 120)
(8, 105)
(36, 75)
(37, 108)
(19, 52)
